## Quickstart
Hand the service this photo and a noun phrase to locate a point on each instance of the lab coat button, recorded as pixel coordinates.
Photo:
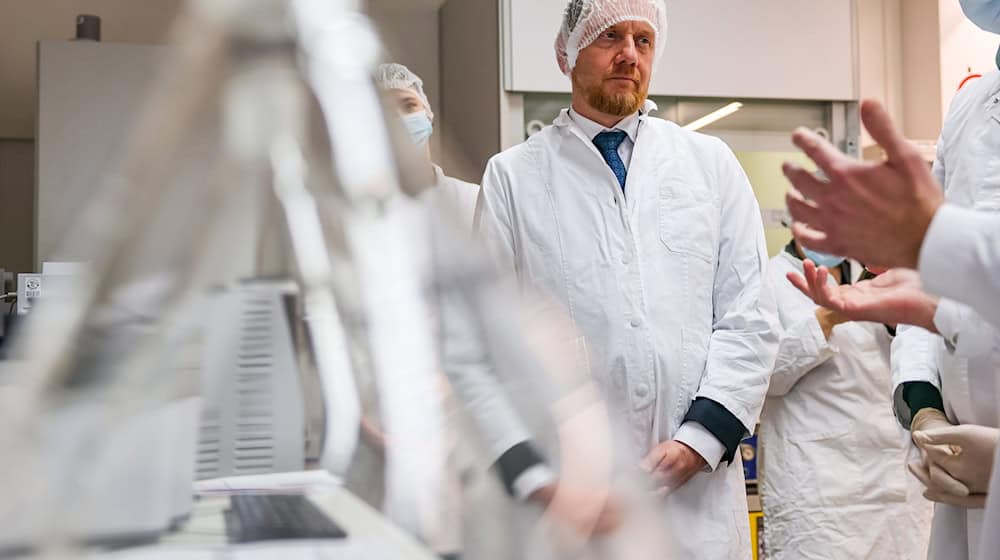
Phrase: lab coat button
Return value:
(642, 391)
(636, 323)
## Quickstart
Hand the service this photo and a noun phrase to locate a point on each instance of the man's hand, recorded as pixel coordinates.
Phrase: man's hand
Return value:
(957, 463)
(964, 452)
(940, 487)
(877, 213)
(672, 465)
(892, 298)
(586, 512)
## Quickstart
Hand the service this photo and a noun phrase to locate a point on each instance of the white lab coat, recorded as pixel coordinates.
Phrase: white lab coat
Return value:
(461, 196)
(964, 361)
(664, 286)
(834, 457)
(961, 253)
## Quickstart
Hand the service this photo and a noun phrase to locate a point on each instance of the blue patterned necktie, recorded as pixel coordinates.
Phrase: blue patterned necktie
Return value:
(607, 143)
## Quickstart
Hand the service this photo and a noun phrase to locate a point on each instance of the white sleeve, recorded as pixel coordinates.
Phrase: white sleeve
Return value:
(960, 259)
(913, 359)
(965, 333)
(802, 348)
(703, 442)
(470, 372)
(469, 355)
(744, 336)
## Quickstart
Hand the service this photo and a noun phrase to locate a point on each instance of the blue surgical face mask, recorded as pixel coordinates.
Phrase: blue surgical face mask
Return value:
(419, 126)
(822, 259)
(984, 13)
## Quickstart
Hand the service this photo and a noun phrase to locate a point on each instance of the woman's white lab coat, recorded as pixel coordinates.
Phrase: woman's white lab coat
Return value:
(835, 483)
(663, 283)
(964, 361)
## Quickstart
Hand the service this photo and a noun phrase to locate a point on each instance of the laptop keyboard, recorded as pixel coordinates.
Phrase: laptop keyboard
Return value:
(264, 517)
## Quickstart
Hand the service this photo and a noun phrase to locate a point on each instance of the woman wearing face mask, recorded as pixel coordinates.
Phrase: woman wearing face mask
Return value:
(835, 482)
(406, 90)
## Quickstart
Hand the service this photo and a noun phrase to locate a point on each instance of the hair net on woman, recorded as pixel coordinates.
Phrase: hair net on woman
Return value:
(585, 20)
(396, 76)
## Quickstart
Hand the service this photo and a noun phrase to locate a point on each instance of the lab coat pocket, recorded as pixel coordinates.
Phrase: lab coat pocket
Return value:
(882, 447)
(689, 221)
(833, 475)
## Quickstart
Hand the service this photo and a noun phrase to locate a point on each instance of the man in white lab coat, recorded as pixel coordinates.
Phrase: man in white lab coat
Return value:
(651, 238)
(960, 357)
(953, 352)
(894, 213)
(834, 458)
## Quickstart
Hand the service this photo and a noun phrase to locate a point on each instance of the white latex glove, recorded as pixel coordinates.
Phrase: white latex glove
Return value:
(964, 452)
(941, 487)
(939, 483)
(928, 419)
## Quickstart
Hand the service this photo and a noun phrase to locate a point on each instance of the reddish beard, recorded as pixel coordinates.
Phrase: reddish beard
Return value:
(619, 104)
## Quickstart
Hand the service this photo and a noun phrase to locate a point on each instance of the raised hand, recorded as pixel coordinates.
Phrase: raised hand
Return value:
(877, 213)
(892, 298)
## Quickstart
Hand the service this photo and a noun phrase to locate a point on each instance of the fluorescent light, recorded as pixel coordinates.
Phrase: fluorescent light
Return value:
(714, 116)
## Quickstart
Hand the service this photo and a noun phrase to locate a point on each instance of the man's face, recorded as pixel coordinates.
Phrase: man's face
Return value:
(613, 72)
(406, 101)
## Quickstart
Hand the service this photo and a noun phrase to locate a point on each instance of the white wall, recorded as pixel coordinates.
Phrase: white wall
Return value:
(913, 56)
(965, 49)
(89, 95)
(880, 56)
(765, 49)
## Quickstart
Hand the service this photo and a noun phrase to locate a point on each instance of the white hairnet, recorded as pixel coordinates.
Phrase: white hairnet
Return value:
(585, 20)
(396, 76)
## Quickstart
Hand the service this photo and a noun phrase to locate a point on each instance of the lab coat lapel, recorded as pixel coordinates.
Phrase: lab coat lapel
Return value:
(652, 169)
(574, 133)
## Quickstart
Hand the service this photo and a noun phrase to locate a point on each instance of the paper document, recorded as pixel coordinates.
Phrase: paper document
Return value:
(299, 481)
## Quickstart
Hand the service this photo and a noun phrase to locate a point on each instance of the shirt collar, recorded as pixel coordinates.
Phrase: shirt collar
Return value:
(629, 125)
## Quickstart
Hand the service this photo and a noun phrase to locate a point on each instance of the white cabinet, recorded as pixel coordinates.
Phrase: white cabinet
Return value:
(765, 49)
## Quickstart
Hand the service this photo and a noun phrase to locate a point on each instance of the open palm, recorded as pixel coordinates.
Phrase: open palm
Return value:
(893, 298)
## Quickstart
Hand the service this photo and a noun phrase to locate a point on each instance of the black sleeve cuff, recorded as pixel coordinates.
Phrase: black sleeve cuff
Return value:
(921, 394)
(515, 461)
(720, 422)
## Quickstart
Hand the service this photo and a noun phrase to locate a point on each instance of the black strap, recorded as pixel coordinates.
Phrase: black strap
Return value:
(721, 423)
(515, 461)
(921, 394)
